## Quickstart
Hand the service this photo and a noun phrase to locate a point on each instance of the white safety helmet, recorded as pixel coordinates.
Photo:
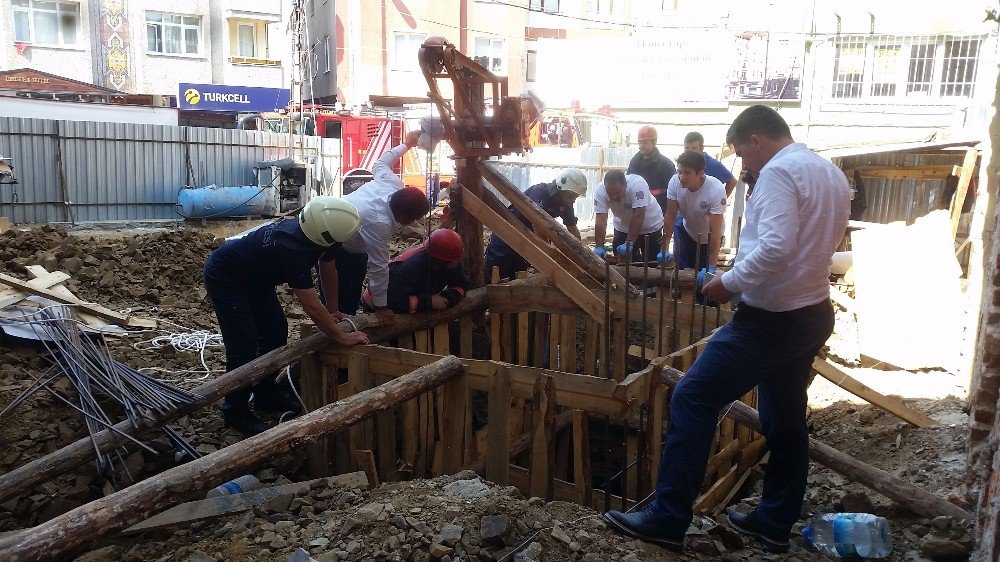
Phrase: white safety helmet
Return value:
(572, 179)
(326, 220)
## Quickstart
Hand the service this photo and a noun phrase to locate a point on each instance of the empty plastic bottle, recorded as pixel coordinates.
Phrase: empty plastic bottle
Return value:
(239, 485)
(849, 534)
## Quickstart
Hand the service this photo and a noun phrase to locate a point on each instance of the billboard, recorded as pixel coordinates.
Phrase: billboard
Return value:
(219, 97)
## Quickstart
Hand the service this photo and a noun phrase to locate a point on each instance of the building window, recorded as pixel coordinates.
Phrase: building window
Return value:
(491, 53)
(883, 68)
(246, 40)
(172, 34)
(326, 54)
(602, 6)
(407, 45)
(544, 5)
(45, 22)
(531, 66)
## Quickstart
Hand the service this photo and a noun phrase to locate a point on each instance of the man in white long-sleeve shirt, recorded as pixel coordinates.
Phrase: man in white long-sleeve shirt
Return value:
(384, 204)
(795, 219)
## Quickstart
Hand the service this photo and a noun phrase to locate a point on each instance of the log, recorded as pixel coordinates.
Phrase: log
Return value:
(23, 478)
(912, 497)
(549, 228)
(543, 443)
(685, 277)
(57, 538)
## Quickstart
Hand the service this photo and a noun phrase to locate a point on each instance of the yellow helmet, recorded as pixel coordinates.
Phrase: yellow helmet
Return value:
(327, 220)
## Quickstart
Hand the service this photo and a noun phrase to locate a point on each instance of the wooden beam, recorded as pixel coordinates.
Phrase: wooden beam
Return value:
(97, 310)
(581, 458)
(912, 497)
(905, 172)
(456, 412)
(359, 379)
(958, 201)
(834, 374)
(365, 459)
(58, 537)
(543, 437)
(536, 256)
(542, 222)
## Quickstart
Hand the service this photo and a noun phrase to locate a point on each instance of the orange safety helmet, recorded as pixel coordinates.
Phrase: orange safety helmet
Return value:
(647, 132)
(445, 245)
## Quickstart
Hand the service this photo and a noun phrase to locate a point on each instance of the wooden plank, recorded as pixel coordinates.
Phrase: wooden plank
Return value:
(567, 344)
(466, 329)
(314, 394)
(4, 224)
(498, 416)
(411, 415)
(97, 310)
(385, 431)
(581, 458)
(591, 347)
(542, 438)
(536, 256)
(708, 500)
(38, 271)
(957, 202)
(224, 505)
(522, 338)
(456, 414)
(834, 374)
(46, 281)
(442, 347)
(555, 356)
(654, 449)
(359, 379)
(619, 342)
(720, 506)
(365, 459)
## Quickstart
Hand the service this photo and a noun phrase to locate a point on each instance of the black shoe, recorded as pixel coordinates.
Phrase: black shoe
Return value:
(746, 524)
(276, 401)
(646, 525)
(243, 420)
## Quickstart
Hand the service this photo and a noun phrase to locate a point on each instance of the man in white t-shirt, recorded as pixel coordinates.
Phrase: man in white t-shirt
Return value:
(701, 200)
(638, 222)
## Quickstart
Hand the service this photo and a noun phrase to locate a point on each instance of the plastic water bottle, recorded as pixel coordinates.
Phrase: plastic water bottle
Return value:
(239, 485)
(849, 534)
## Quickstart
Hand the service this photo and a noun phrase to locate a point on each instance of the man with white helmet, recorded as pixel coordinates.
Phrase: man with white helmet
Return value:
(555, 198)
(241, 277)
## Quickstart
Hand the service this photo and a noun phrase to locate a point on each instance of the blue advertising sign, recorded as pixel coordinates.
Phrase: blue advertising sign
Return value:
(219, 97)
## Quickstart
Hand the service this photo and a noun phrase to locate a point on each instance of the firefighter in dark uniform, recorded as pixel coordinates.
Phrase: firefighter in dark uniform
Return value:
(241, 277)
(653, 166)
(427, 277)
(555, 198)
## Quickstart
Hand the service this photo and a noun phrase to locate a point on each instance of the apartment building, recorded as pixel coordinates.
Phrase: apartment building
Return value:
(148, 47)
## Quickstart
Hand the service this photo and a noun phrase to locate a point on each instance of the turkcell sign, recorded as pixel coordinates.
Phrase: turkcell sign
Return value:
(219, 97)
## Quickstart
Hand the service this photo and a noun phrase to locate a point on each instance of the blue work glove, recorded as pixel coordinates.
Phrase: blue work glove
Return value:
(599, 250)
(621, 250)
(664, 257)
(703, 275)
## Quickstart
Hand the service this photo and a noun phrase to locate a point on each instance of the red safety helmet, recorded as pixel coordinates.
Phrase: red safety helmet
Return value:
(647, 132)
(445, 245)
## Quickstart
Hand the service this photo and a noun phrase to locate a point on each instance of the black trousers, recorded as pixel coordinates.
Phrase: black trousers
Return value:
(650, 242)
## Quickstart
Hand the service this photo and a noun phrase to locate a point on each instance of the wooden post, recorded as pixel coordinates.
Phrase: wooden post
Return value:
(912, 497)
(497, 438)
(654, 433)
(555, 358)
(542, 442)
(442, 345)
(425, 416)
(591, 347)
(467, 225)
(456, 417)
(314, 394)
(359, 379)
(567, 344)
(56, 538)
(385, 429)
(968, 170)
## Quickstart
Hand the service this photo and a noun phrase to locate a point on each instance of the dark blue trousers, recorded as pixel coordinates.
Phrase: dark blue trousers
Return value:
(687, 251)
(252, 323)
(351, 270)
(773, 351)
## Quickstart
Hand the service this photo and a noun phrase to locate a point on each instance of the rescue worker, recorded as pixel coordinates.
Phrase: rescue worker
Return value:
(427, 277)
(700, 201)
(696, 142)
(654, 167)
(384, 204)
(241, 277)
(555, 198)
(638, 223)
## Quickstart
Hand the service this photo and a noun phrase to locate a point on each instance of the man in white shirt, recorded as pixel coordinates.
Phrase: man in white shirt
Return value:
(638, 222)
(795, 219)
(384, 204)
(701, 200)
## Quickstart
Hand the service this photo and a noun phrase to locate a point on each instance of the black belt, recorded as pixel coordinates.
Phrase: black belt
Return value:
(810, 310)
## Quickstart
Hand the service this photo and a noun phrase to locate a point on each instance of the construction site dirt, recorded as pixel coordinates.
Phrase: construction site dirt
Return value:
(157, 274)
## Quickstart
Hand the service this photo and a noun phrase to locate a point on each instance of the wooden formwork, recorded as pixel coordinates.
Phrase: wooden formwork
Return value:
(546, 375)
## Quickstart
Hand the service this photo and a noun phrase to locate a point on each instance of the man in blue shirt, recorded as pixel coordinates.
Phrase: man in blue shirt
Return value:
(555, 198)
(695, 142)
(652, 166)
(241, 277)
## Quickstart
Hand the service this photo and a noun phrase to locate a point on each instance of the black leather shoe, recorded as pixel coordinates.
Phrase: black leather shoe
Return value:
(646, 525)
(746, 524)
(243, 420)
(275, 401)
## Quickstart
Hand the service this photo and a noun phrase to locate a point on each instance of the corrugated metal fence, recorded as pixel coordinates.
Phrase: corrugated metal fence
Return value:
(97, 171)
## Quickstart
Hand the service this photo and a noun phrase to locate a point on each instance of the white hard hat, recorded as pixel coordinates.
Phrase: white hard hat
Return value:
(326, 220)
(572, 179)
